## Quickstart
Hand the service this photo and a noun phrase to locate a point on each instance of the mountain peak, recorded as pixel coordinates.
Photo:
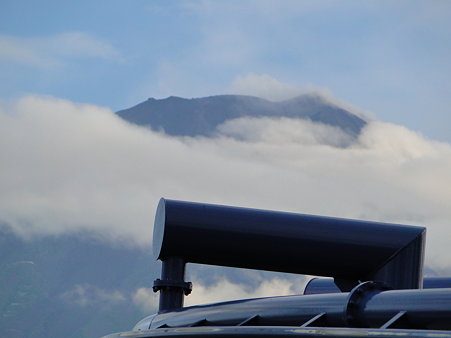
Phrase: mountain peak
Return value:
(201, 116)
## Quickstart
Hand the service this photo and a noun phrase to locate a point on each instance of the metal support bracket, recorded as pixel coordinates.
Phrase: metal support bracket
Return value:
(172, 285)
(159, 284)
(357, 298)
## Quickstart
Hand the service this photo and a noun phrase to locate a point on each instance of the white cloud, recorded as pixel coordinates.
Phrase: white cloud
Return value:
(225, 290)
(145, 299)
(55, 51)
(89, 295)
(285, 131)
(222, 290)
(67, 168)
(263, 85)
(268, 87)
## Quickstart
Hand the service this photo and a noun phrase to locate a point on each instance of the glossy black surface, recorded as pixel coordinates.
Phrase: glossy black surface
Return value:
(288, 242)
(426, 309)
(172, 270)
(327, 285)
(268, 331)
(383, 255)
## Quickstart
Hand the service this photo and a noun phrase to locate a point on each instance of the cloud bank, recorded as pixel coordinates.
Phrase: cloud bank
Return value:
(69, 168)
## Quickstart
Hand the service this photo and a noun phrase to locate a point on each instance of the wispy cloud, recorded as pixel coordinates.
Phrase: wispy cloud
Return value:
(145, 299)
(89, 295)
(56, 50)
(268, 87)
(222, 290)
(225, 290)
(278, 131)
(263, 85)
(68, 167)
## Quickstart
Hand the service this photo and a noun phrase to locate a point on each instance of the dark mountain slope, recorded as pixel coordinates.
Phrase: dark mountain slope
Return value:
(200, 116)
(69, 286)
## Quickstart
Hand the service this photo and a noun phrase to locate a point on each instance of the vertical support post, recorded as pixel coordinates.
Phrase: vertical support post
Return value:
(172, 285)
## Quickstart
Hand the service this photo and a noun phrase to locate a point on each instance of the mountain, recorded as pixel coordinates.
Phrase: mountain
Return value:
(70, 286)
(201, 116)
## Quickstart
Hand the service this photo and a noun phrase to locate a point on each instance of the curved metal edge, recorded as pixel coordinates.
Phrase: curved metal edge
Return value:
(158, 228)
(404, 269)
(268, 331)
(356, 301)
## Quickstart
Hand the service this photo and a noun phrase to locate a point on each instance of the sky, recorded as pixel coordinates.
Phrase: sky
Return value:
(389, 58)
(70, 165)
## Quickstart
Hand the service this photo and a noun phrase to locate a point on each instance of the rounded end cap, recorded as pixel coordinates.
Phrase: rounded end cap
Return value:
(158, 228)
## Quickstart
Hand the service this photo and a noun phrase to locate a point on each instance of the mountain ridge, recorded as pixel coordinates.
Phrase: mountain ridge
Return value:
(179, 116)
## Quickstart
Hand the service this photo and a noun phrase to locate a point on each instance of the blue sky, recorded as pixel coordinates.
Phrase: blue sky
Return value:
(390, 58)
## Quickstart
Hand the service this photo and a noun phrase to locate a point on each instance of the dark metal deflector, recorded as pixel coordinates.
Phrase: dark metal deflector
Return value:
(348, 250)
